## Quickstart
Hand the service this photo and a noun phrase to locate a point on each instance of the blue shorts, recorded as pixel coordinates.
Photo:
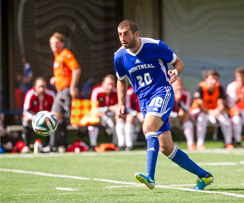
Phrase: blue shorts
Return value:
(159, 104)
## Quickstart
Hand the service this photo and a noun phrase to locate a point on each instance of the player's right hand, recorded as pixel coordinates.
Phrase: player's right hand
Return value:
(120, 112)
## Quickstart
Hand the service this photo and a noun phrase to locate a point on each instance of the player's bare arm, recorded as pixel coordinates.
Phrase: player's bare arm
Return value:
(178, 68)
(200, 103)
(122, 86)
(75, 78)
(113, 108)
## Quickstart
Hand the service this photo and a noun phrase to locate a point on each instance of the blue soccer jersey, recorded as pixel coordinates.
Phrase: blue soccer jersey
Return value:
(146, 69)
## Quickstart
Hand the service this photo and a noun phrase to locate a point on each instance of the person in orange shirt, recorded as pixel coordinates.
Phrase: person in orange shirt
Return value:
(66, 76)
(209, 105)
(235, 101)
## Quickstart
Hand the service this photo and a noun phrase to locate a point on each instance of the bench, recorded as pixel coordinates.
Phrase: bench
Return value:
(19, 128)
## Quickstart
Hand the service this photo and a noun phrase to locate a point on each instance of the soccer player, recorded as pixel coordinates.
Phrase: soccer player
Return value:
(180, 115)
(235, 100)
(66, 76)
(144, 62)
(38, 98)
(209, 105)
(106, 95)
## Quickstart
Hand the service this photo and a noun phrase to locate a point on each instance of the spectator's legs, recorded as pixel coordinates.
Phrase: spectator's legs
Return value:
(202, 120)
(26, 133)
(53, 139)
(188, 130)
(120, 131)
(63, 136)
(93, 133)
(225, 127)
(237, 127)
(129, 131)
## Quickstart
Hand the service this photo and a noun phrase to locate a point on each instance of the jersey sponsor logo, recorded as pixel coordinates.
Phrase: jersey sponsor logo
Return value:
(101, 99)
(139, 67)
(56, 65)
(137, 61)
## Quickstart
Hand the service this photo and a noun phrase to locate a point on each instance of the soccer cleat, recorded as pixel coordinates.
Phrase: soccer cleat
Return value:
(230, 146)
(201, 148)
(191, 147)
(203, 182)
(145, 179)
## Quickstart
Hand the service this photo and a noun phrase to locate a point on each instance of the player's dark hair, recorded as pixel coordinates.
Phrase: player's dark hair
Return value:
(212, 73)
(130, 23)
(111, 76)
(240, 70)
(58, 35)
(39, 78)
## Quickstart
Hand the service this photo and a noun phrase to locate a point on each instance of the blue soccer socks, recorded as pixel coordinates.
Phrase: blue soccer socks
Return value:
(152, 152)
(182, 159)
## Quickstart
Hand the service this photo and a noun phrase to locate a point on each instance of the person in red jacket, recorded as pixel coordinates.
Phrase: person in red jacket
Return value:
(235, 101)
(38, 98)
(180, 114)
(106, 95)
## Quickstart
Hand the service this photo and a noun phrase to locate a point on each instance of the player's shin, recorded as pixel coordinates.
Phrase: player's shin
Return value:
(152, 152)
(182, 159)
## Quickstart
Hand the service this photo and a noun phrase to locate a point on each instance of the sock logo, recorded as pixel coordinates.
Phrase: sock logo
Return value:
(151, 149)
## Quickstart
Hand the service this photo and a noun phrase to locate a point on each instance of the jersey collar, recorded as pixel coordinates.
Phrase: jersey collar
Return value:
(138, 51)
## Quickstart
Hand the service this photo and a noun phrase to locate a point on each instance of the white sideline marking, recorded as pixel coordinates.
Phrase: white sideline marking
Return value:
(43, 174)
(218, 164)
(241, 162)
(65, 188)
(120, 182)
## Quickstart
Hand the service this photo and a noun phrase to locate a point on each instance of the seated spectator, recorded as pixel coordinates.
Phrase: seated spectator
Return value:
(106, 95)
(180, 115)
(133, 116)
(209, 105)
(39, 98)
(235, 100)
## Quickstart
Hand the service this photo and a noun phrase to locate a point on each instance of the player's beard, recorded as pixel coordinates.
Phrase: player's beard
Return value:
(131, 44)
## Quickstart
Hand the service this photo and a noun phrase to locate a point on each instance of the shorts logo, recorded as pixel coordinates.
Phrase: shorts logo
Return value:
(56, 65)
(155, 109)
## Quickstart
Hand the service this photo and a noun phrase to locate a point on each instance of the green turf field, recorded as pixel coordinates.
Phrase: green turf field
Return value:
(109, 177)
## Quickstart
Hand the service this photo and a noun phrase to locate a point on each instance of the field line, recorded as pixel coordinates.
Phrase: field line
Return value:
(117, 182)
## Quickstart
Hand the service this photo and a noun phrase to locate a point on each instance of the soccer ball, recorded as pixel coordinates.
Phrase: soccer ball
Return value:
(44, 123)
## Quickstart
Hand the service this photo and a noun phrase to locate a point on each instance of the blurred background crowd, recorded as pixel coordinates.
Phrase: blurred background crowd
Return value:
(206, 35)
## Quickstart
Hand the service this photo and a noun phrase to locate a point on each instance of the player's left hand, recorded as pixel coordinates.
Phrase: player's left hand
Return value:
(173, 76)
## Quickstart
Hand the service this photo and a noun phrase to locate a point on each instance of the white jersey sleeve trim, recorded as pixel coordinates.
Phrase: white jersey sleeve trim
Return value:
(174, 58)
(122, 77)
(28, 99)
